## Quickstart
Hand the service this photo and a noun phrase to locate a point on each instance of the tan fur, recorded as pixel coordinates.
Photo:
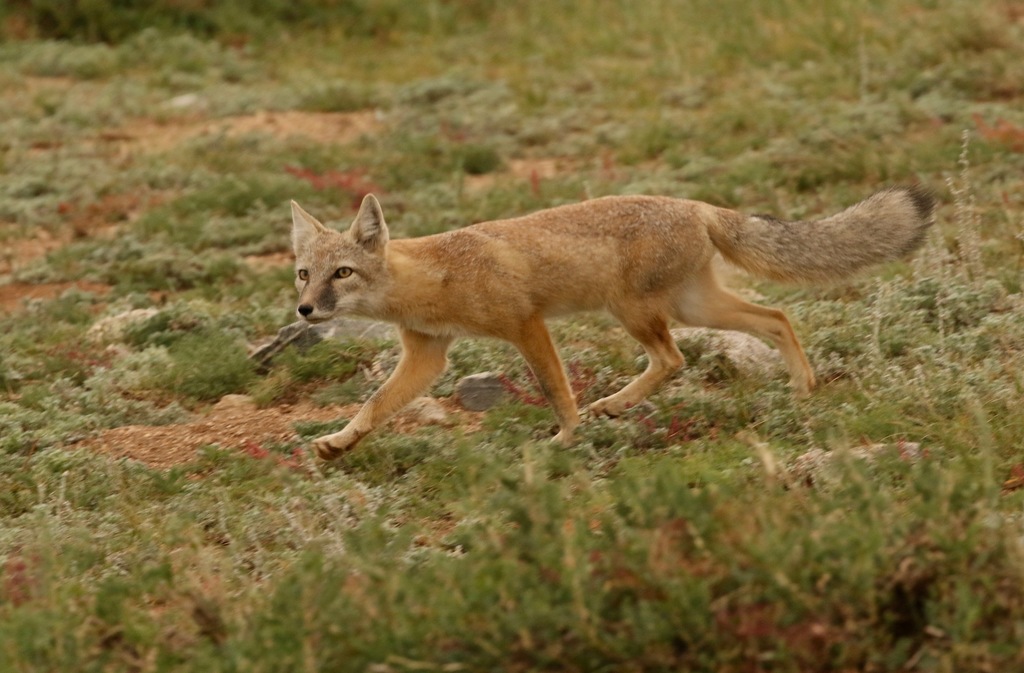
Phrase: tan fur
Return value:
(645, 259)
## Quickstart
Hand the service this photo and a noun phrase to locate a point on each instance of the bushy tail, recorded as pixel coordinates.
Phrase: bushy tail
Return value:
(887, 226)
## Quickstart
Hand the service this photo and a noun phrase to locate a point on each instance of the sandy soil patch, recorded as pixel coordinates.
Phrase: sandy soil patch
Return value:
(227, 425)
(152, 136)
(268, 261)
(15, 296)
(533, 170)
(236, 423)
(18, 252)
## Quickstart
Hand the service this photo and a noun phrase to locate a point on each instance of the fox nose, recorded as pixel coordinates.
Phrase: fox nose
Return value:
(305, 310)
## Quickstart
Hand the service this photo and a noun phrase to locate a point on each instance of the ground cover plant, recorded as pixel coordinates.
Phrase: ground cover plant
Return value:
(150, 520)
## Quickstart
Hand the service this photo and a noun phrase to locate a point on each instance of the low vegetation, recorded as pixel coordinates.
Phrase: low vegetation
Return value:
(148, 158)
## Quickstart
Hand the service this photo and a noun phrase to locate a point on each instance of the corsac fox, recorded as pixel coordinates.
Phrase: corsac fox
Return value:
(647, 260)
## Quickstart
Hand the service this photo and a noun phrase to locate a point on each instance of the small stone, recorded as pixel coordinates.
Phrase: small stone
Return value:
(808, 467)
(303, 335)
(113, 328)
(479, 392)
(750, 356)
(235, 403)
(818, 466)
(186, 100)
(425, 411)
(352, 328)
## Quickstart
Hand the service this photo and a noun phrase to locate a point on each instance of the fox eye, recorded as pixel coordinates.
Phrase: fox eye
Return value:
(303, 274)
(343, 272)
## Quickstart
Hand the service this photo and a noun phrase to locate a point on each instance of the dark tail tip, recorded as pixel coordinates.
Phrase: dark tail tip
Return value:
(922, 198)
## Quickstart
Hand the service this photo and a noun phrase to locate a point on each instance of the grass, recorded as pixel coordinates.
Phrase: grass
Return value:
(672, 539)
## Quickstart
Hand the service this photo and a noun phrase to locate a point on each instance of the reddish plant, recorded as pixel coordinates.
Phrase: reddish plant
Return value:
(580, 379)
(679, 428)
(1015, 481)
(1002, 132)
(352, 182)
(535, 183)
(19, 583)
(292, 462)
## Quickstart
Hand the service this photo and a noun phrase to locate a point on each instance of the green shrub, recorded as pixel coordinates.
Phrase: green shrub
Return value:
(55, 59)
(117, 20)
(339, 97)
(165, 327)
(328, 362)
(208, 364)
(479, 159)
(139, 268)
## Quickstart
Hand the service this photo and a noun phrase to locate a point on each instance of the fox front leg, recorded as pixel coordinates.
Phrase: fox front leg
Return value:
(333, 446)
(423, 359)
(534, 342)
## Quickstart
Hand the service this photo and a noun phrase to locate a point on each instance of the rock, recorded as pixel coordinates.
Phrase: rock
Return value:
(811, 466)
(479, 392)
(113, 328)
(425, 411)
(303, 335)
(818, 466)
(293, 334)
(352, 328)
(235, 403)
(187, 100)
(750, 356)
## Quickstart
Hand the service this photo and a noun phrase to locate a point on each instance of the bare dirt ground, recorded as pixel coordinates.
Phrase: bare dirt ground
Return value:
(17, 251)
(236, 423)
(15, 296)
(229, 424)
(150, 136)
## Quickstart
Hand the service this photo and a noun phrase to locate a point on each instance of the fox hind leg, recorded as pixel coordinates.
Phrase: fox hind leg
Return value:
(707, 304)
(663, 360)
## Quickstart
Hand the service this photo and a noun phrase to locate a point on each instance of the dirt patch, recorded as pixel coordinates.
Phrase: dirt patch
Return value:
(537, 168)
(235, 422)
(18, 252)
(150, 136)
(36, 85)
(226, 425)
(101, 218)
(269, 261)
(15, 296)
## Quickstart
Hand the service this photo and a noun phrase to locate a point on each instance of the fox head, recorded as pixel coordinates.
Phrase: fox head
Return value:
(338, 273)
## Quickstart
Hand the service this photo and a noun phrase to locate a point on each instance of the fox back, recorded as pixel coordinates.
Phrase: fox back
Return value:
(579, 257)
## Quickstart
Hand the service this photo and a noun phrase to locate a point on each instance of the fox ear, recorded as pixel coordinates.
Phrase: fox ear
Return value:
(304, 226)
(369, 228)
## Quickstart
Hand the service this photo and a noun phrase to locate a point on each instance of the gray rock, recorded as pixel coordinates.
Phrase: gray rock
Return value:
(113, 328)
(821, 467)
(303, 335)
(479, 392)
(352, 328)
(424, 411)
(235, 403)
(749, 355)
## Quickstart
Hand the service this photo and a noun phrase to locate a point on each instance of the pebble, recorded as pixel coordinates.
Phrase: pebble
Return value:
(480, 392)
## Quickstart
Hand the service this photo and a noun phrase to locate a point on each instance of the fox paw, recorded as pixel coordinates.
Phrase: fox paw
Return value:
(565, 438)
(609, 406)
(802, 386)
(330, 447)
